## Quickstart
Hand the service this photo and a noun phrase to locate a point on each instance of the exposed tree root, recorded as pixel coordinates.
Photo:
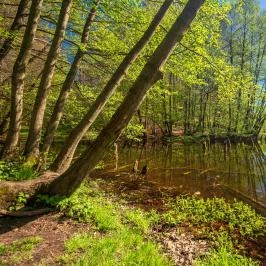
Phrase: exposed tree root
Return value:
(25, 213)
(9, 190)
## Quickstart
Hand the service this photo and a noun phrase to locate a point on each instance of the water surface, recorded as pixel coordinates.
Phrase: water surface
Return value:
(216, 170)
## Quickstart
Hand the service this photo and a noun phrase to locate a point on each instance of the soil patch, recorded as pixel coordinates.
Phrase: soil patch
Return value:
(53, 228)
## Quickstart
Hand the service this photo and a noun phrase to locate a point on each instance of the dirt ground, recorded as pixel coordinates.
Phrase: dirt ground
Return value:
(53, 228)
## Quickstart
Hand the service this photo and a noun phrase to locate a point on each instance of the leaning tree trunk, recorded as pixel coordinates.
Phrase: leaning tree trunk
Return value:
(60, 103)
(18, 78)
(16, 25)
(64, 158)
(33, 140)
(68, 182)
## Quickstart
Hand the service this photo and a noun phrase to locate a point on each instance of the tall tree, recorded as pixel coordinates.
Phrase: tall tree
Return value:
(33, 140)
(242, 63)
(18, 78)
(70, 78)
(68, 182)
(16, 25)
(64, 158)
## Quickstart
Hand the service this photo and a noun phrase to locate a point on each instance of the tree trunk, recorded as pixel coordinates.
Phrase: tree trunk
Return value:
(242, 65)
(60, 103)
(249, 116)
(33, 141)
(16, 25)
(68, 182)
(18, 77)
(64, 158)
(4, 124)
(10, 190)
(170, 121)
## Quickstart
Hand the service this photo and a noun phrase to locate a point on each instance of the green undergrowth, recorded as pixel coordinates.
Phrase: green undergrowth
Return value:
(197, 138)
(19, 250)
(227, 225)
(21, 200)
(233, 217)
(122, 235)
(25, 170)
(119, 235)
(185, 139)
(225, 257)
(224, 254)
(89, 204)
(16, 171)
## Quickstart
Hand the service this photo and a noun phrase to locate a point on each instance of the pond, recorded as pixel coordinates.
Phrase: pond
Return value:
(215, 170)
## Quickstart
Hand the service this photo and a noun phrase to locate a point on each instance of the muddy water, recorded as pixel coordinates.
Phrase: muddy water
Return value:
(217, 170)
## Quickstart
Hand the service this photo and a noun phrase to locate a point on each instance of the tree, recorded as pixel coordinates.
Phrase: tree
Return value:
(65, 156)
(34, 136)
(68, 83)
(66, 183)
(18, 78)
(16, 25)
(244, 39)
(69, 181)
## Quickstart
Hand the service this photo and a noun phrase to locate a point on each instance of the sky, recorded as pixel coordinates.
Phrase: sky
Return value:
(263, 4)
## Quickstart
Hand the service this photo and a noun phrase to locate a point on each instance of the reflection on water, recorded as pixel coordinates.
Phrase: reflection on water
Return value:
(217, 170)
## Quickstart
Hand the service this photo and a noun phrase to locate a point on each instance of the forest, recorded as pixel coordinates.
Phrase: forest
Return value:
(132, 132)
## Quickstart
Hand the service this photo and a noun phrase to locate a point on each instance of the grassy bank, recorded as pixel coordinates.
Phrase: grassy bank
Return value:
(116, 233)
(212, 138)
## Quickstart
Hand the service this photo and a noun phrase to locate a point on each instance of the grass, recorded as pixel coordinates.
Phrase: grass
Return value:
(88, 204)
(125, 247)
(19, 250)
(225, 257)
(141, 221)
(119, 236)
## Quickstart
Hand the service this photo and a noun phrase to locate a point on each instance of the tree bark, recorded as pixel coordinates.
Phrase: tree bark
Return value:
(10, 190)
(60, 103)
(18, 77)
(69, 181)
(4, 124)
(242, 66)
(64, 158)
(33, 140)
(16, 25)
(250, 110)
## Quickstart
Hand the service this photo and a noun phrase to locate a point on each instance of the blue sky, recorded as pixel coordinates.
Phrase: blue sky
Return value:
(263, 4)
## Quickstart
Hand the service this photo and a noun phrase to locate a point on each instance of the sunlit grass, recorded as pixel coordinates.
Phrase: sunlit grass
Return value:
(19, 250)
(125, 247)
